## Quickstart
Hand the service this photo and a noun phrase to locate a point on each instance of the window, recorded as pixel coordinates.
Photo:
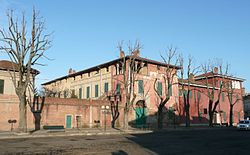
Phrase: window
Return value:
(190, 94)
(106, 87)
(200, 116)
(88, 92)
(225, 116)
(199, 96)
(237, 97)
(73, 93)
(118, 88)
(140, 87)
(107, 69)
(238, 115)
(205, 110)
(1, 86)
(65, 94)
(80, 93)
(170, 90)
(180, 93)
(96, 90)
(159, 88)
(223, 97)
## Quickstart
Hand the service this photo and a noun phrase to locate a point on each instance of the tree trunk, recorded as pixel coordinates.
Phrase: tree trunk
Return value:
(211, 117)
(187, 107)
(22, 126)
(187, 116)
(160, 118)
(231, 115)
(125, 119)
(210, 113)
(37, 116)
(115, 113)
(113, 123)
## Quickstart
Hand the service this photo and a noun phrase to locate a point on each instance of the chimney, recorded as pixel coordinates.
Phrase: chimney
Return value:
(216, 70)
(70, 71)
(191, 77)
(122, 54)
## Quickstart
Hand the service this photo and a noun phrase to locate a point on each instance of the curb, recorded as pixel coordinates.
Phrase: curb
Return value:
(65, 134)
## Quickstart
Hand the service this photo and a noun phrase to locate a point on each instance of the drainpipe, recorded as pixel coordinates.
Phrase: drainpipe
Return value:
(100, 70)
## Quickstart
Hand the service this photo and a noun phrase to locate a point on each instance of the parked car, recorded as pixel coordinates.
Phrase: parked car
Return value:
(244, 125)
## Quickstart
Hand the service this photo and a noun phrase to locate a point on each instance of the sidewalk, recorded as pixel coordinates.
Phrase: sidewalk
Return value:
(95, 131)
(69, 132)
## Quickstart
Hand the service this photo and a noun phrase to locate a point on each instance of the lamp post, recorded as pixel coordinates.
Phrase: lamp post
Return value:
(105, 110)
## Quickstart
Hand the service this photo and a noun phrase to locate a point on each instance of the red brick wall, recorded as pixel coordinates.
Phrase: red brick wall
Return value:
(203, 103)
(9, 110)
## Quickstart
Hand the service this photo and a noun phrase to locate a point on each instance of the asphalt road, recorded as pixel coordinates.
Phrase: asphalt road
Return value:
(199, 141)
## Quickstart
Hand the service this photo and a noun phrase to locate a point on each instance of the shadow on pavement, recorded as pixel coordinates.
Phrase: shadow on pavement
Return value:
(198, 141)
(120, 152)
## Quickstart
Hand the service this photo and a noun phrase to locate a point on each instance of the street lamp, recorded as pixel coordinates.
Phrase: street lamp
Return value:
(105, 110)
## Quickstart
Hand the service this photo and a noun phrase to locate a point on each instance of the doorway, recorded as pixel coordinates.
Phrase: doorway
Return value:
(140, 112)
(68, 121)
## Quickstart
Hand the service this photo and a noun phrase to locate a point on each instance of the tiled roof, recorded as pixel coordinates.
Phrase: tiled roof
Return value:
(8, 65)
(211, 75)
(111, 63)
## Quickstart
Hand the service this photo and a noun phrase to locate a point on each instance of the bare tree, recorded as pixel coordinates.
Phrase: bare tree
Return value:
(114, 99)
(191, 71)
(36, 103)
(233, 97)
(24, 50)
(130, 67)
(168, 79)
(213, 90)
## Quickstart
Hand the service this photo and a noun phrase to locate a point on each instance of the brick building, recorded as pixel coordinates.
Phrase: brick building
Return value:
(76, 99)
(101, 81)
(9, 103)
(199, 85)
(246, 101)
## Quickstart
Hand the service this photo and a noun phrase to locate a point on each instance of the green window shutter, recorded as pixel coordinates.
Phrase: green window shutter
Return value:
(65, 94)
(96, 90)
(223, 97)
(238, 115)
(1, 86)
(88, 92)
(190, 94)
(199, 95)
(170, 90)
(106, 87)
(159, 88)
(118, 88)
(80, 93)
(200, 116)
(140, 87)
(225, 116)
(185, 93)
(180, 92)
(73, 93)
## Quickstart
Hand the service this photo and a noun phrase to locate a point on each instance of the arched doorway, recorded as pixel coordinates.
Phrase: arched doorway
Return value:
(140, 112)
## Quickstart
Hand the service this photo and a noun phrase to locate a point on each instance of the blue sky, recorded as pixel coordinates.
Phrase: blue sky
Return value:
(86, 33)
